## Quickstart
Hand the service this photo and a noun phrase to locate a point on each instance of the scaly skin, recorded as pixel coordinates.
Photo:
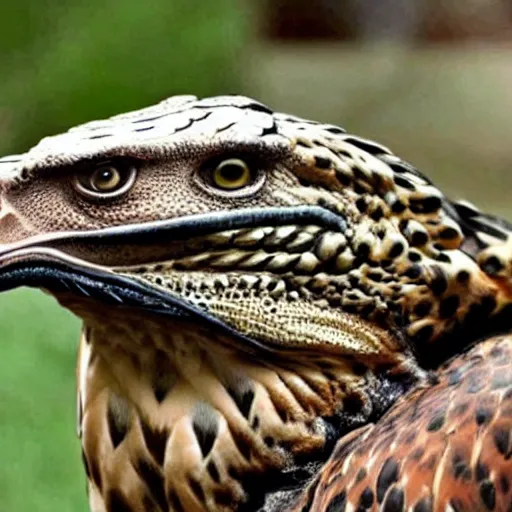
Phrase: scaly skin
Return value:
(238, 323)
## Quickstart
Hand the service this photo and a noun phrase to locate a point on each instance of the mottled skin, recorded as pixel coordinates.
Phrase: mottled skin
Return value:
(256, 288)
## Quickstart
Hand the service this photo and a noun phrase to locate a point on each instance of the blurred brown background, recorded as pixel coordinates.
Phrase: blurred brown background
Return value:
(432, 79)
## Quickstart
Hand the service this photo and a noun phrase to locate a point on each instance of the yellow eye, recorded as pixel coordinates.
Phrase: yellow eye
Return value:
(231, 177)
(231, 174)
(106, 181)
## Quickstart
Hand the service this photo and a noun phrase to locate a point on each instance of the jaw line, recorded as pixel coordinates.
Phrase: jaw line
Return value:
(183, 227)
(41, 268)
(36, 263)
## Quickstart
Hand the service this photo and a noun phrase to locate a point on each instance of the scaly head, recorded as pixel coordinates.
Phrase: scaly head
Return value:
(272, 281)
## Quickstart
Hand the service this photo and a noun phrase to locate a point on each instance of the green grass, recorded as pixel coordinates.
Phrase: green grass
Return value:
(41, 468)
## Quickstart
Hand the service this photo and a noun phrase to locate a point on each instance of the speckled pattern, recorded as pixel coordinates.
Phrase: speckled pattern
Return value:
(442, 447)
(343, 280)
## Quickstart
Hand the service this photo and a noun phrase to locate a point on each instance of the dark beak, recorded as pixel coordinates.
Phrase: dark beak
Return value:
(81, 263)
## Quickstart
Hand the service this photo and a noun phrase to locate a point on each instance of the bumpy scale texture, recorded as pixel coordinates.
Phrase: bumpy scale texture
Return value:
(346, 285)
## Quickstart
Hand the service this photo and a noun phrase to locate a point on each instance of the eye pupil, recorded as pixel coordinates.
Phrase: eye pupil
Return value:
(105, 175)
(105, 179)
(232, 172)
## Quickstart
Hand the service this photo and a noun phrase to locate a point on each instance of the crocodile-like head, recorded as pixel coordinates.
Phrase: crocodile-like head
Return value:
(252, 286)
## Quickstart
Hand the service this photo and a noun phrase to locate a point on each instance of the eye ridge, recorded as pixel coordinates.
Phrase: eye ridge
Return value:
(105, 181)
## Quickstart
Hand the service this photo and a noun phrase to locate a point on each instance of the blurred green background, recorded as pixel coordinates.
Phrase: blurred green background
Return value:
(438, 94)
(63, 63)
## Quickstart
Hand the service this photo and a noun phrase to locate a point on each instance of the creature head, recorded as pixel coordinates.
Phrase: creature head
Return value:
(286, 279)
(287, 232)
